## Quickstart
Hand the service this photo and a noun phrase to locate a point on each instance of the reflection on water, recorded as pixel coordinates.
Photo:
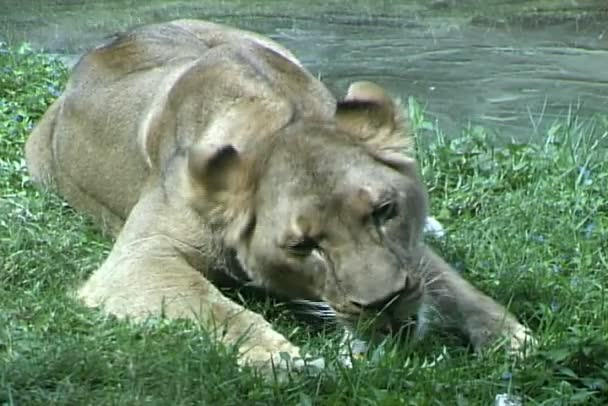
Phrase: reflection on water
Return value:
(513, 80)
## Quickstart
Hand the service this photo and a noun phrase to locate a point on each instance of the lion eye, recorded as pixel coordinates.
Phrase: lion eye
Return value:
(302, 247)
(384, 212)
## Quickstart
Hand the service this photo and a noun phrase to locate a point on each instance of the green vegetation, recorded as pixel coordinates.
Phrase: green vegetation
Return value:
(527, 223)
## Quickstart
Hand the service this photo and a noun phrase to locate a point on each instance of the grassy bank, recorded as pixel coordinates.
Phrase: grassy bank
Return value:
(527, 223)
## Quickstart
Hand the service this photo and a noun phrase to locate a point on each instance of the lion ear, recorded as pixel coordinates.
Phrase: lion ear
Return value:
(225, 180)
(370, 115)
(216, 169)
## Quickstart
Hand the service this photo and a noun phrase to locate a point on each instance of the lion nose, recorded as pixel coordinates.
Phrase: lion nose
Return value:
(384, 301)
(379, 304)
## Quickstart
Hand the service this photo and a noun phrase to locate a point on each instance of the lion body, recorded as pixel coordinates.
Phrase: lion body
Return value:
(195, 144)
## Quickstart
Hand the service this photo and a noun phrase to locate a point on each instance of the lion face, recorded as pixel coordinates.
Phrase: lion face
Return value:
(329, 210)
(336, 224)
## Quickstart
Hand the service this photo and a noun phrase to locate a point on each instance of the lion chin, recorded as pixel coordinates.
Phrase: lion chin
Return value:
(215, 159)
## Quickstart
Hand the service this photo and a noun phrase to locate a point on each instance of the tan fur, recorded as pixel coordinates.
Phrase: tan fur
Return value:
(215, 158)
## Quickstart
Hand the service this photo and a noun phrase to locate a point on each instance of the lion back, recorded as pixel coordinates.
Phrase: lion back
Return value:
(122, 113)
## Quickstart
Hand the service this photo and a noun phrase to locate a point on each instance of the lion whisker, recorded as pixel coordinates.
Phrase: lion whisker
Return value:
(318, 309)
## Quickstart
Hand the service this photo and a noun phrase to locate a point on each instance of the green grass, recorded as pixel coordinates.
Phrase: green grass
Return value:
(527, 223)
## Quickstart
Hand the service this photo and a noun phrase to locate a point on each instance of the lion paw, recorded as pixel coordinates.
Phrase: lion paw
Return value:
(280, 361)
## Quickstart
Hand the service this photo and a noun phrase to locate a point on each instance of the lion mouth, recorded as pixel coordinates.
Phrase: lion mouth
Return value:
(405, 317)
(383, 323)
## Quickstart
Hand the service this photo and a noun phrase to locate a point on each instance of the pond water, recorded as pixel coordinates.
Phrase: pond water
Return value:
(513, 73)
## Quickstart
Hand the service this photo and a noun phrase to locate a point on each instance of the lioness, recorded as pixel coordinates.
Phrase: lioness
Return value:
(215, 158)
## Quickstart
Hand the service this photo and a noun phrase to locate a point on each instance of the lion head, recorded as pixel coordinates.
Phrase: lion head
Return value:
(329, 210)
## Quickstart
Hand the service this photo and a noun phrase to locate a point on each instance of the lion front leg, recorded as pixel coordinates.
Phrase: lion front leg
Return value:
(478, 316)
(138, 287)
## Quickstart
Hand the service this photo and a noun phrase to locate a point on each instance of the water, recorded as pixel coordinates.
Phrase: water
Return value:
(513, 78)
(509, 81)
